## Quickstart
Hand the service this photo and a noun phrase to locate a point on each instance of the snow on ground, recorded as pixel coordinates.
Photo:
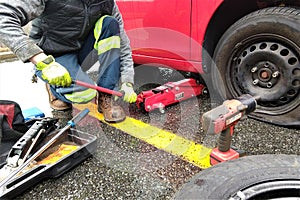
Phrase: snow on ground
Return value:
(16, 85)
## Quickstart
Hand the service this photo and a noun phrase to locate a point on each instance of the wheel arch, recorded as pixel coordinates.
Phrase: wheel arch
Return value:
(226, 15)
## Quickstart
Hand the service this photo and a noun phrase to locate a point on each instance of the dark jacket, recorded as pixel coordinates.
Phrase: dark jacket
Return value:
(63, 25)
(58, 27)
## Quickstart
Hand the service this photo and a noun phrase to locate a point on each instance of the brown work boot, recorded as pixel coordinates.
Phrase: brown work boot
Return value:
(63, 116)
(55, 103)
(111, 112)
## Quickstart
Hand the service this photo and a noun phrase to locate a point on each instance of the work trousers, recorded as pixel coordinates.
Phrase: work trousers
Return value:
(78, 62)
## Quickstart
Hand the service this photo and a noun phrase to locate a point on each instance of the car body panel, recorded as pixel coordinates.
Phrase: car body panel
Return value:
(202, 12)
(214, 37)
(172, 38)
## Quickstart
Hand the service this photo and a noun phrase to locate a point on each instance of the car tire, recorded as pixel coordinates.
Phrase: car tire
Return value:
(251, 177)
(260, 55)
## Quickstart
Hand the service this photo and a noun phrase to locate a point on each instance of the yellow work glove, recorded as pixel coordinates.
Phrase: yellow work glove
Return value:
(129, 94)
(53, 72)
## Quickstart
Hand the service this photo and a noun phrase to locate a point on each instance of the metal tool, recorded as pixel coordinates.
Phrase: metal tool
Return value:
(22, 148)
(221, 120)
(65, 90)
(69, 125)
(98, 88)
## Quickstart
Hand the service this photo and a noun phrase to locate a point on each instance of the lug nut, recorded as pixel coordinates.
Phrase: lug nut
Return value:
(275, 74)
(269, 85)
(254, 69)
(255, 82)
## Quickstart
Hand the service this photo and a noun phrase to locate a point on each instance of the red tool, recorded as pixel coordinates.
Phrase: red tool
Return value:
(169, 93)
(222, 119)
(98, 88)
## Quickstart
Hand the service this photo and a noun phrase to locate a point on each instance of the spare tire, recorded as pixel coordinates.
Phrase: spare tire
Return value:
(251, 177)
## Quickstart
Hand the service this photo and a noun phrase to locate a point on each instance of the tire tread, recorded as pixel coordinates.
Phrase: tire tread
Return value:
(224, 179)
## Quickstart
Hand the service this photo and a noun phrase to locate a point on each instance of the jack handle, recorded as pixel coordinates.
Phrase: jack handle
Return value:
(98, 88)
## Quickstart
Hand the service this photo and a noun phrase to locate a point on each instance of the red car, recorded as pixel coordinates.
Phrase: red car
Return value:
(238, 46)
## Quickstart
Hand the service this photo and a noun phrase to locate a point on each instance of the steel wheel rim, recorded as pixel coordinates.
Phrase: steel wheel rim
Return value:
(277, 189)
(268, 66)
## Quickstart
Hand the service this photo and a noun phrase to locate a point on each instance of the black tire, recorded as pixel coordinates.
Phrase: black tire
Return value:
(251, 177)
(259, 55)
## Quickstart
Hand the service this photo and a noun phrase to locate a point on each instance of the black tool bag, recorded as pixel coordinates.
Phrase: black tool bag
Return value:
(12, 126)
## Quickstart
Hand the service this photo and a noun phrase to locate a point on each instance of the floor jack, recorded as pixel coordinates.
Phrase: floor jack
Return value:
(169, 93)
(221, 120)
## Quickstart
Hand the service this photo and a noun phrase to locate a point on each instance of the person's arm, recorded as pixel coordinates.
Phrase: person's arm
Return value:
(38, 58)
(126, 68)
(14, 14)
(127, 71)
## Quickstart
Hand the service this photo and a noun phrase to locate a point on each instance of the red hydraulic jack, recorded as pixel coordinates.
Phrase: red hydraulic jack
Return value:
(169, 93)
(222, 119)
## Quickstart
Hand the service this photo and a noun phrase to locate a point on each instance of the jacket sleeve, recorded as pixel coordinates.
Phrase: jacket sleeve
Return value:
(127, 71)
(14, 14)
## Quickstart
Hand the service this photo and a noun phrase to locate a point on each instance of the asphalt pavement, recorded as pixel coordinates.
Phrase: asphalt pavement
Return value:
(124, 167)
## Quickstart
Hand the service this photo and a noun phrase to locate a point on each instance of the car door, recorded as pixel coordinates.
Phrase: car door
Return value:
(158, 28)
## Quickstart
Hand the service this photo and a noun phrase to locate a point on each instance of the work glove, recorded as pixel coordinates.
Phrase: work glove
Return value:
(129, 94)
(53, 72)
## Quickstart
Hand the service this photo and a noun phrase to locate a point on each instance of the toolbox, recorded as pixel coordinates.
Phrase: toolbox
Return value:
(53, 163)
(30, 116)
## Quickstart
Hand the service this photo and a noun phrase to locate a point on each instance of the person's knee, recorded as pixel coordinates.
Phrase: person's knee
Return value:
(105, 27)
(112, 24)
(107, 35)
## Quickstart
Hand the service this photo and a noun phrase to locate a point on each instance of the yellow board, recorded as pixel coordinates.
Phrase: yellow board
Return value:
(187, 150)
(63, 150)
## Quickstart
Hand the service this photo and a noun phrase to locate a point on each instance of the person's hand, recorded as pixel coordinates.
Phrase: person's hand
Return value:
(129, 94)
(53, 72)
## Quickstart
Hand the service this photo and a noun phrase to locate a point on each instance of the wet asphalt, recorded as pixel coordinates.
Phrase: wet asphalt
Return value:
(124, 167)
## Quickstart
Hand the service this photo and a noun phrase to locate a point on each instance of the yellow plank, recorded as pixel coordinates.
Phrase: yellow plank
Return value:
(187, 150)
